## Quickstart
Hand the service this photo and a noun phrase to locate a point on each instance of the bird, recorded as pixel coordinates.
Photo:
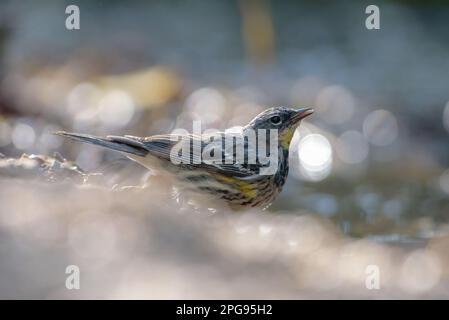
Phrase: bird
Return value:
(240, 180)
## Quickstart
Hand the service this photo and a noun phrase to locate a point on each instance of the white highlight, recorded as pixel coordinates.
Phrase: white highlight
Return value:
(315, 156)
(116, 108)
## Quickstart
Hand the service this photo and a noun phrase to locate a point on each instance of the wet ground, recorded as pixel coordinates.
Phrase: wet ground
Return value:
(139, 243)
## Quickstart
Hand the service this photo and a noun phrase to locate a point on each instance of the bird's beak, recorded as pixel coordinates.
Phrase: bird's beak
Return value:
(301, 114)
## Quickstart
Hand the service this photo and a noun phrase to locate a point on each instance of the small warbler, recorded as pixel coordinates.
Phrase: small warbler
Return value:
(236, 172)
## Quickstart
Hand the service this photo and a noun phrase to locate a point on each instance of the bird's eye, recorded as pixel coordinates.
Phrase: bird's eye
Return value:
(275, 120)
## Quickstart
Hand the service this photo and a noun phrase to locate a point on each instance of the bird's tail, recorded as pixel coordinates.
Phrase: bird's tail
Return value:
(124, 144)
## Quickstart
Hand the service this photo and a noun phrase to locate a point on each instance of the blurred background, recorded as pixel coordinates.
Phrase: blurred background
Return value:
(369, 171)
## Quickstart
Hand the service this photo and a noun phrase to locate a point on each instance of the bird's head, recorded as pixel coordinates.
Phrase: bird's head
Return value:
(283, 119)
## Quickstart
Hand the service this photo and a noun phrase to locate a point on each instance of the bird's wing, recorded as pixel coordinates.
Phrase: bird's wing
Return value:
(162, 147)
(195, 157)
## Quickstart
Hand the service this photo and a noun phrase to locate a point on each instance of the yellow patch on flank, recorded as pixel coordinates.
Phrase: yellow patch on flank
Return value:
(247, 188)
(285, 137)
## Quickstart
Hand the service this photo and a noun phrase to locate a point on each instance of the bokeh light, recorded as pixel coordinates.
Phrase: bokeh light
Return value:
(83, 96)
(352, 147)
(380, 127)
(48, 140)
(336, 104)
(420, 272)
(207, 104)
(23, 136)
(116, 108)
(315, 156)
(244, 112)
